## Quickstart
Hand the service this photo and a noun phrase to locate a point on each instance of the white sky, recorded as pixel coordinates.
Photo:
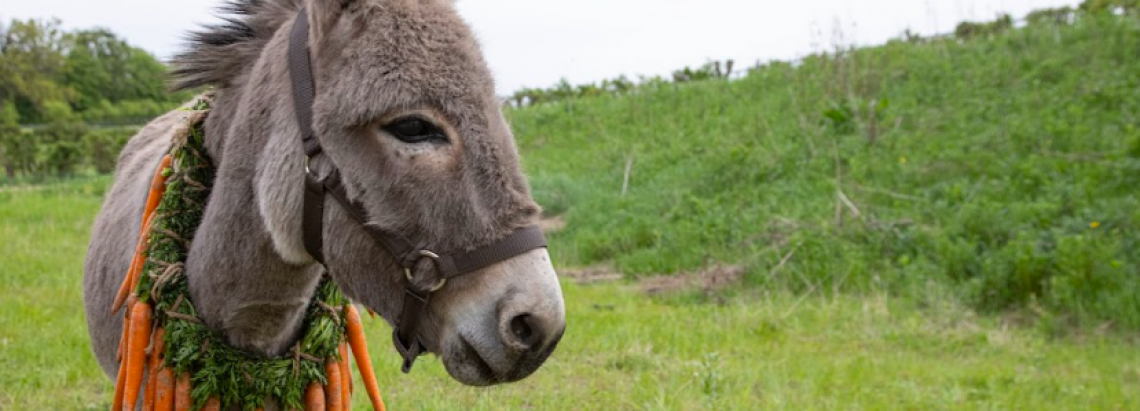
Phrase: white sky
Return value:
(535, 43)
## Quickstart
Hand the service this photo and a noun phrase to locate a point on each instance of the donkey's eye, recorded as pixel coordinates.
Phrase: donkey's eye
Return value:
(415, 130)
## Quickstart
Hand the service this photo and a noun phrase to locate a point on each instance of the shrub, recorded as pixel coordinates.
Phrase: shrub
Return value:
(1061, 15)
(1110, 6)
(15, 150)
(968, 30)
(103, 147)
(59, 148)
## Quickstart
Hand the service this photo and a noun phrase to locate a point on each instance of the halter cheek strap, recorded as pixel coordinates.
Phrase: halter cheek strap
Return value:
(409, 254)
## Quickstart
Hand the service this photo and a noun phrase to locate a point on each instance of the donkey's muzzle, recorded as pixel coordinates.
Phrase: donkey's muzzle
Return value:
(503, 328)
(528, 337)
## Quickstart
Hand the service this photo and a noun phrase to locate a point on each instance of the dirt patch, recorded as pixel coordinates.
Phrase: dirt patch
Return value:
(712, 278)
(552, 224)
(590, 275)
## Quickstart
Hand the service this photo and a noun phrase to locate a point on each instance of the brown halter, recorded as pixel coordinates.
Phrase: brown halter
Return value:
(407, 252)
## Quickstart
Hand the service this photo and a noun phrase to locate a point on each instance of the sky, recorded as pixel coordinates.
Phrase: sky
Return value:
(536, 43)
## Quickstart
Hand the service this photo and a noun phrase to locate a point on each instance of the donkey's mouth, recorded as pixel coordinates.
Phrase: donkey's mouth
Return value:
(473, 361)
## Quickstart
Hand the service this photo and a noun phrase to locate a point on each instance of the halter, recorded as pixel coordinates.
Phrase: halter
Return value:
(407, 252)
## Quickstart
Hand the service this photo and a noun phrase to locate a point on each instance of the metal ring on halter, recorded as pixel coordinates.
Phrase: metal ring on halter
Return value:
(433, 256)
(308, 171)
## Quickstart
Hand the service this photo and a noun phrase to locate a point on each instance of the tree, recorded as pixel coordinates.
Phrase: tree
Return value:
(9, 130)
(31, 63)
(1100, 6)
(102, 67)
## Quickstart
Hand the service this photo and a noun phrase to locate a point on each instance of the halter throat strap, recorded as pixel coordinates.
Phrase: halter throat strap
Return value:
(409, 254)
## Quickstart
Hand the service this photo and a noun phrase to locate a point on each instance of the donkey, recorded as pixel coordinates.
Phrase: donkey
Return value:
(405, 107)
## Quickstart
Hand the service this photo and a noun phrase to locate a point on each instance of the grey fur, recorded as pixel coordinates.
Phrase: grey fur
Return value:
(373, 60)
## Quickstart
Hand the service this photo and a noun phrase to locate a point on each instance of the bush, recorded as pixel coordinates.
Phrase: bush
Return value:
(1058, 16)
(9, 115)
(968, 30)
(103, 147)
(15, 151)
(58, 158)
(1109, 6)
(61, 149)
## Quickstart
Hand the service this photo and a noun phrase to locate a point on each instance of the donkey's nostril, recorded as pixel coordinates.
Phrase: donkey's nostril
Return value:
(525, 330)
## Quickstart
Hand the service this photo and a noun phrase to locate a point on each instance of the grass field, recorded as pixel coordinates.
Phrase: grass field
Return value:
(924, 225)
(623, 350)
(1005, 167)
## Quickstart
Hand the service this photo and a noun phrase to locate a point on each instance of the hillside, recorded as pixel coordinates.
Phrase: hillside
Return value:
(623, 351)
(1001, 170)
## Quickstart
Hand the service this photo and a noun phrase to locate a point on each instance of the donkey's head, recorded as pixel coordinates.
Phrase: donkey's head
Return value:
(405, 109)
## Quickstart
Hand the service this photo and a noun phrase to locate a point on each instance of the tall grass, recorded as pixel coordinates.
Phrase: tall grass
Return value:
(1006, 166)
(622, 350)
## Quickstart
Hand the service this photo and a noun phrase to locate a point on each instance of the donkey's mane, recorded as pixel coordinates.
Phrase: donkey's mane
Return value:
(218, 53)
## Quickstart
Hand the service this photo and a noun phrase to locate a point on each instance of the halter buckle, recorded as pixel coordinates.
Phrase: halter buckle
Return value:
(435, 259)
(308, 170)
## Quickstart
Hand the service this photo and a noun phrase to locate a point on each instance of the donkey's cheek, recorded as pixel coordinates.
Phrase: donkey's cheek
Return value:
(280, 195)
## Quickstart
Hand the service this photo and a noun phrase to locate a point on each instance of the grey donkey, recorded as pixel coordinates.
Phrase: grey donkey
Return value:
(405, 107)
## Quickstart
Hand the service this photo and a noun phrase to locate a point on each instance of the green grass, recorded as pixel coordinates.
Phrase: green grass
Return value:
(43, 333)
(1005, 167)
(745, 350)
(985, 256)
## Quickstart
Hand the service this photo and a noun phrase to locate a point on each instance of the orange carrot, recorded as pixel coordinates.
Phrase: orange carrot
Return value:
(164, 390)
(117, 403)
(182, 400)
(140, 252)
(154, 197)
(134, 272)
(136, 353)
(346, 375)
(122, 343)
(314, 398)
(120, 379)
(212, 404)
(125, 287)
(334, 392)
(355, 332)
(148, 390)
(157, 186)
(156, 347)
(126, 337)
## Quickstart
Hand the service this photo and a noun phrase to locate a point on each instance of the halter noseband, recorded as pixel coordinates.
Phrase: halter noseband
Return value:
(406, 252)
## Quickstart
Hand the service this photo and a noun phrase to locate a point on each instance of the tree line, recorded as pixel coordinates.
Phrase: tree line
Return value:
(74, 84)
(712, 70)
(68, 98)
(90, 73)
(1059, 15)
(720, 70)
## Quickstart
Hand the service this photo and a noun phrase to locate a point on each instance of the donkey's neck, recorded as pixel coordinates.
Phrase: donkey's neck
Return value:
(242, 283)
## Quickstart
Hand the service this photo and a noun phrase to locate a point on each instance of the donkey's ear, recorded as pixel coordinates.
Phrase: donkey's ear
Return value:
(323, 15)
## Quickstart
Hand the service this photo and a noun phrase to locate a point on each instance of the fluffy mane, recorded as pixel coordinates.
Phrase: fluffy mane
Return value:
(217, 53)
